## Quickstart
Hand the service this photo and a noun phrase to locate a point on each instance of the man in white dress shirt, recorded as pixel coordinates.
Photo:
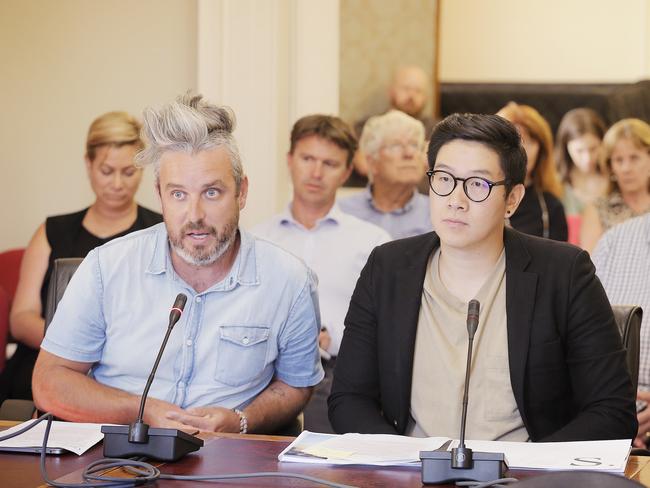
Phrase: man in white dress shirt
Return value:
(334, 244)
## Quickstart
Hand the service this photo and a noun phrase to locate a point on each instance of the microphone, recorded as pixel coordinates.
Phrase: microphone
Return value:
(461, 457)
(461, 464)
(472, 319)
(177, 310)
(137, 439)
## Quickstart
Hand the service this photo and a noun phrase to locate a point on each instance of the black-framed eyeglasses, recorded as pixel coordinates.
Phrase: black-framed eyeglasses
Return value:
(476, 188)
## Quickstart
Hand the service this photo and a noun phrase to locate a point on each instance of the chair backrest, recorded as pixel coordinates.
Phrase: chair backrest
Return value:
(9, 273)
(10, 270)
(628, 318)
(4, 326)
(62, 273)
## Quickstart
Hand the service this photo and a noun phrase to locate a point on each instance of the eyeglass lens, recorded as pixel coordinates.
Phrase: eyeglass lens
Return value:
(443, 184)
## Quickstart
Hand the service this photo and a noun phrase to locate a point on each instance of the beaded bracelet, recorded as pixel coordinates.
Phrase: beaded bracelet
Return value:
(243, 421)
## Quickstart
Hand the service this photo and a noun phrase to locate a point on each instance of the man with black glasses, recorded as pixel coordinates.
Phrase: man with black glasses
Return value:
(548, 363)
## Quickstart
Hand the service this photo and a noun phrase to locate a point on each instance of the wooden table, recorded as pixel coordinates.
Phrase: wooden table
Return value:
(233, 453)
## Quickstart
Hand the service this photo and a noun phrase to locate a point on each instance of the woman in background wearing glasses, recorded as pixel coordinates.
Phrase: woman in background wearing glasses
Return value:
(541, 212)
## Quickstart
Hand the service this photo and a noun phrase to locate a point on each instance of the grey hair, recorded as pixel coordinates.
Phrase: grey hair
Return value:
(189, 124)
(378, 128)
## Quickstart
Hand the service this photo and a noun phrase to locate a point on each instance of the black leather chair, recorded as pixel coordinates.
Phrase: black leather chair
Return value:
(628, 318)
(62, 273)
(64, 268)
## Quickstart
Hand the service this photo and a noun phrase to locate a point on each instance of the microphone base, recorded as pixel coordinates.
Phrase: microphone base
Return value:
(162, 444)
(437, 469)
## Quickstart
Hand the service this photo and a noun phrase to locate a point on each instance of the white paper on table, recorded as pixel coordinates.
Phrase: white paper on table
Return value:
(370, 449)
(610, 456)
(71, 436)
(392, 450)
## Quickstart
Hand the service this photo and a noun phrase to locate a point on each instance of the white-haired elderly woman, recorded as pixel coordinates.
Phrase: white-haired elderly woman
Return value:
(393, 144)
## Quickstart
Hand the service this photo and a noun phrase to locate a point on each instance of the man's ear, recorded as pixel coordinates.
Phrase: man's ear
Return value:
(348, 171)
(156, 186)
(514, 199)
(243, 192)
(371, 161)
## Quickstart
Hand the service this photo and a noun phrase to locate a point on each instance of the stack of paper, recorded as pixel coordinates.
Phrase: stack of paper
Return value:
(71, 436)
(377, 449)
(392, 450)
(610, 456)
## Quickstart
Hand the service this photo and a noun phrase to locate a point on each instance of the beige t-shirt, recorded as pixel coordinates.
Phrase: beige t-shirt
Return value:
(441, 356)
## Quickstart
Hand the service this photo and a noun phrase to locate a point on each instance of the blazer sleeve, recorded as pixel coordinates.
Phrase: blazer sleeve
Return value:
(602, 392)
(354, 402)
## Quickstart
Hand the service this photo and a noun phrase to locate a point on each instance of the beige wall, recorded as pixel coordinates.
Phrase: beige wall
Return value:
(64, 63)
(544, 40)
(70, 60)
(272, 61)
(376, 37)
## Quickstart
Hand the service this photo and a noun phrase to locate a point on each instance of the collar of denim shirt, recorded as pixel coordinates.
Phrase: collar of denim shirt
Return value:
(244, 270)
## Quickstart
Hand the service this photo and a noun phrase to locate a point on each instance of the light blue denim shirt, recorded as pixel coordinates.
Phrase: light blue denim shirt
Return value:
(410, 220)
(261, 321)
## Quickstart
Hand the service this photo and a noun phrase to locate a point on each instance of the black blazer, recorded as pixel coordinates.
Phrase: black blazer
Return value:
(567, 365)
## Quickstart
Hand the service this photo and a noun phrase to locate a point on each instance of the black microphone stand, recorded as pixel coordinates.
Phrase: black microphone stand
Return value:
(137, 439)
(461, 456)
(461, 464)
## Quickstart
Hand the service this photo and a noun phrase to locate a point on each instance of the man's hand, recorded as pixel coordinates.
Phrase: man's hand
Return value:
(157, 412)
(643, 417)
(210, 419)
(324, 339)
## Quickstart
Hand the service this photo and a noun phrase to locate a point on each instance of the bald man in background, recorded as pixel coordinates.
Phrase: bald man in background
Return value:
(409, 93)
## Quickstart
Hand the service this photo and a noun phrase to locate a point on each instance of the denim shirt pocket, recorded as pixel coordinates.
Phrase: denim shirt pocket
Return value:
(241, 353)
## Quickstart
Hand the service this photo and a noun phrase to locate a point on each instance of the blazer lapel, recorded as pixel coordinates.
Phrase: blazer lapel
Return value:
(521, 287)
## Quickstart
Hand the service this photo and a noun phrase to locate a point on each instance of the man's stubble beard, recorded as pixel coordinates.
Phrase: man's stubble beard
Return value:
(200, 255)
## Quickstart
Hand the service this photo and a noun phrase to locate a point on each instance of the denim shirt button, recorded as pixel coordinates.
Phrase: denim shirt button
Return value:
(245, 340)
(198, 299)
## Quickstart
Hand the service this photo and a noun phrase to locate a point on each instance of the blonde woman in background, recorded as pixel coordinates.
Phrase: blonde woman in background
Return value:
(112, 142)
(540, 213)
(578, 148)
(626, 159)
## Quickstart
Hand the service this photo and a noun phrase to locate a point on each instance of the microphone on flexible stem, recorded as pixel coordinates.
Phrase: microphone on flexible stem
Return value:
(461, 464)
(461, 457)
(138, 439)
